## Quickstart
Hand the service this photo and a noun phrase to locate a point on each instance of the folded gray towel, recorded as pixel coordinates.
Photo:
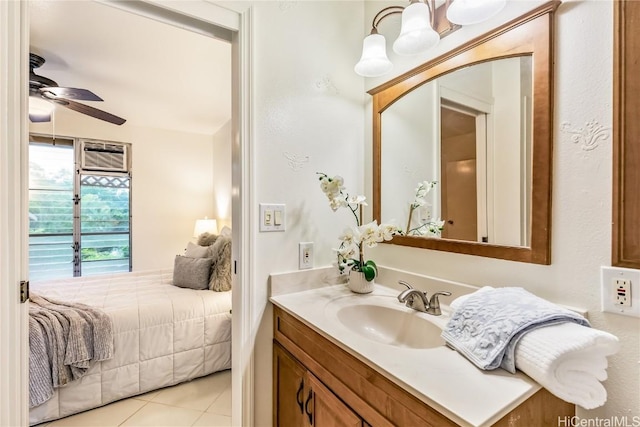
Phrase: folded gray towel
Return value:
(488, 324)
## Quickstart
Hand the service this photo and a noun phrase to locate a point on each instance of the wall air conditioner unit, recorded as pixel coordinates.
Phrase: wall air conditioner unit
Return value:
(104, 156)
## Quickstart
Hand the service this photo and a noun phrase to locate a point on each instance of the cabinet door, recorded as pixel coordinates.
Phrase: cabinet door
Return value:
(288, 389)
(324, 409)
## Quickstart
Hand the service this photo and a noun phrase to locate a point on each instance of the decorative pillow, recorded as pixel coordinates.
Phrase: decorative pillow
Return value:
(220, 252)
(207, 239)
(196, 251)
(226, 231)
(191, 273)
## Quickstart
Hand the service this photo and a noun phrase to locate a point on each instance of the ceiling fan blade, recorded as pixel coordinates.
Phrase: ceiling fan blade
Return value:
(73, 93)
(89, 111)
(40, 118)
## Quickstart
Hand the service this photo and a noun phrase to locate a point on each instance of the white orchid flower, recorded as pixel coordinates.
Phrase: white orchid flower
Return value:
(336, 203)
(332, 186)
(357, 200)
(350, 237)
(370, 236)
(387, 231)
(347, 252)
(419, 201)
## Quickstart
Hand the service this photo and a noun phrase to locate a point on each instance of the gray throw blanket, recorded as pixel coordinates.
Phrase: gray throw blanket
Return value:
(64, 338)
(487, 326)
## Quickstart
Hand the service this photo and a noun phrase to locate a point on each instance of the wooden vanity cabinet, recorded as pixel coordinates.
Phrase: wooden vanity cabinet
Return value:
(300, 399)
(288, 390)
(316, 383)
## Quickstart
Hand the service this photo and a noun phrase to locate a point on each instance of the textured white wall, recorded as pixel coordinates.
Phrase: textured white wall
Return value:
(309, 117)
(172, 182)
(581, 237)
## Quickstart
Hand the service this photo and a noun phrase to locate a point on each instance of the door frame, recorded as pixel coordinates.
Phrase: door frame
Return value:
(14, 54)
(14, 361)
(482, 109)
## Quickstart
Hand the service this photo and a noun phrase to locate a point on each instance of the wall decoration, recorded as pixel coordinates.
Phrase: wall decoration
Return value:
(325, 84)
(286, 5)
(589, 136)
(410, 171)
(296, 162)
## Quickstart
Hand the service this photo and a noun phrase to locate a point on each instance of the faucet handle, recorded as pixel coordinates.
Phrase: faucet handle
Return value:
(434, 302)
(402, 282)
(402, 297)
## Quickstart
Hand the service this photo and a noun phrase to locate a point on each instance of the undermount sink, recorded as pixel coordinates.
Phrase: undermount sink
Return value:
(386, 321)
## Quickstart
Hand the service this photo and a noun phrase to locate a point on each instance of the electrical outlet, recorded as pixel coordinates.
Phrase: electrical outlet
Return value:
(622, 292)
(618, 295)
(305, 250)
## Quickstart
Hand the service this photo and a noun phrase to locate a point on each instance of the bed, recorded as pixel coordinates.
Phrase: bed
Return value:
(162, 335)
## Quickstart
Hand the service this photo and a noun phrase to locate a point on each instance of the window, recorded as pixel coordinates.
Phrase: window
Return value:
(79, 220)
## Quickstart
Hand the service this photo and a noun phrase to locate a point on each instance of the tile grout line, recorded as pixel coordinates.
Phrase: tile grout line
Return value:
(135, 412)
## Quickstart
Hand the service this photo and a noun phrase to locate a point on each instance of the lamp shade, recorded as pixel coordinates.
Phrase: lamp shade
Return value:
(467, 12)
(205, 226)
(374, 61)
(416, 33)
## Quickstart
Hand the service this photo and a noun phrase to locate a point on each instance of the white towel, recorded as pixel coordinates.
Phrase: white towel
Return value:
(568, 359)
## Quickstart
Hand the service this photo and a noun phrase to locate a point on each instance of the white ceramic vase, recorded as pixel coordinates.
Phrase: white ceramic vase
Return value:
(358, 284)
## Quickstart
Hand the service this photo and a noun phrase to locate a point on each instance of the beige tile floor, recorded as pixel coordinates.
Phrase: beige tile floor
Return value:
(204, 401)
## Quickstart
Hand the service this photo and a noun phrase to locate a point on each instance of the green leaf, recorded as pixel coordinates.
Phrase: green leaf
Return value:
(369, 270)
(372, 264)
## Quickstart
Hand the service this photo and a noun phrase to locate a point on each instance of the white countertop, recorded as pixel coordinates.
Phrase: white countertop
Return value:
(439, 376)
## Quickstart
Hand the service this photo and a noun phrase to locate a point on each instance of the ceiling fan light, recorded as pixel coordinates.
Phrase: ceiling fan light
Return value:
(374, 61)
(40, 107)
(468, 12)
(416, 33)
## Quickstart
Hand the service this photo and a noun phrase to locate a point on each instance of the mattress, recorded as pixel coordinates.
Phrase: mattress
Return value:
(163, 335)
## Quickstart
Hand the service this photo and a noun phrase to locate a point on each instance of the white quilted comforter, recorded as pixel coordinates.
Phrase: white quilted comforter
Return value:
(163, 335)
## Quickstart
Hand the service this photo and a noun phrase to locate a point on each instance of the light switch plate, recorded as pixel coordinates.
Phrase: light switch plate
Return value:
(610, 280)
(272, 217)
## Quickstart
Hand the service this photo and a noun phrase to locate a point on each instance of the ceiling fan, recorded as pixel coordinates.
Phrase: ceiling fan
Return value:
(42, 89)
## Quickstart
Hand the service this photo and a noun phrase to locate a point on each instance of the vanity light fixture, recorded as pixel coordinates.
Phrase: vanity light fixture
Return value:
(422, 26)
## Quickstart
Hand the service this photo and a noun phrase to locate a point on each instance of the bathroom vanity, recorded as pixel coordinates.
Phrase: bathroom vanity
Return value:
(341, 359)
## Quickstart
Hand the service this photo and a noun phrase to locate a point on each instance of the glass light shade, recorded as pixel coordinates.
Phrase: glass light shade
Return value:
(40, 107)
(416, 34)
(467, 12)
(374, 61)
(205, 226)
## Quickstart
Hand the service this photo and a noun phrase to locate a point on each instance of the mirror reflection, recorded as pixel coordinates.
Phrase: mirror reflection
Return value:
(457, 151)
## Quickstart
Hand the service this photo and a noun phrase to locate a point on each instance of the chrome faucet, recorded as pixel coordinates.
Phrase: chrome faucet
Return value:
(417, 300)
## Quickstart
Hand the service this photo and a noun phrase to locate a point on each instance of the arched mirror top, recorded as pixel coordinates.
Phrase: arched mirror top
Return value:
(522, 53)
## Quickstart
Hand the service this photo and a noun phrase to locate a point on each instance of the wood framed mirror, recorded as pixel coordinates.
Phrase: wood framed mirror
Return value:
(626, 131)
(506, 212)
